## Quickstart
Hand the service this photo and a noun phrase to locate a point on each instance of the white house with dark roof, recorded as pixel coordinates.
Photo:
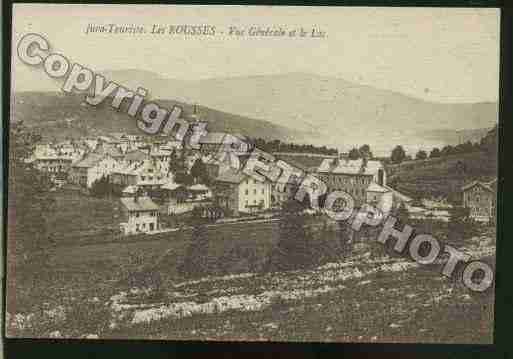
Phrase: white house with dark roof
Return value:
(124, 175)
(109, 149)
(51, 162)
(91, 168)
(379, 196)
(241, 193)
(135, 157)
(55, 159)
(140, 215)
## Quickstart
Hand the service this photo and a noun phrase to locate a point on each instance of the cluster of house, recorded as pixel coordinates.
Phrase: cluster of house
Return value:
(140, 167)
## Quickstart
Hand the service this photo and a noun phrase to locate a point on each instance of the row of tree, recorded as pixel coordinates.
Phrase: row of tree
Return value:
(361, 152)
(29, 200)
(197, 174)
(487, 144)
(296, 247)
(279, 146)
(301, 247)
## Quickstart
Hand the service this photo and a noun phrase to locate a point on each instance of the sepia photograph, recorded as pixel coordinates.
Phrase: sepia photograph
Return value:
(252, 173)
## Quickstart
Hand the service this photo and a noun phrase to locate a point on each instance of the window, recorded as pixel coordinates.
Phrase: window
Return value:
(246, 192)
(254, 191)
(246, 203)
(263, 191)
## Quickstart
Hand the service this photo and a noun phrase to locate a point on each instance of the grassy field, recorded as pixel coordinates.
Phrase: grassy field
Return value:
(374, 306)
(377, 307)
(222, 240)
(90, 257)
(442, 176)
(97, 268)
(75, 215)
(411, 306)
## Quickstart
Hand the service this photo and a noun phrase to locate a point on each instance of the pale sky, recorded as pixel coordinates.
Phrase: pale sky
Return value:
(440, 55)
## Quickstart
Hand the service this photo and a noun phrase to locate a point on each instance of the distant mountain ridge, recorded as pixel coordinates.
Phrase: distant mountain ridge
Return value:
(294, 107)
(330, 110)
(60, 115)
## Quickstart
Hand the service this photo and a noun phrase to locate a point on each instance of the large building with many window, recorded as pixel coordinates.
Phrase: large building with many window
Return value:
(353, 177)
(140, 215)
(241, 193)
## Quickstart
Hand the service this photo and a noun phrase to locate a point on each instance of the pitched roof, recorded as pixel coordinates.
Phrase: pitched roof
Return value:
(125, 170)
(130, 189)
(231, 176)
(139, 204)
(492, 184)
(401, 196)
(89, 161)
(346, 166)
(107, 139)
(489, 186)
(136, 155)
(213, 137)
(198, 187)
(171, 186)
(374, 187)
(161, 152)
(108, 150)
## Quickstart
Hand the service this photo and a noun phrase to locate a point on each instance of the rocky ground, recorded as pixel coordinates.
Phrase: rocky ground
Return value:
(364, 298)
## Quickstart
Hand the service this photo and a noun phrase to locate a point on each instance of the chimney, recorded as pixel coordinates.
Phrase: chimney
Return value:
(381, 177)
(194, 115)
(364, 164)
(335, 163)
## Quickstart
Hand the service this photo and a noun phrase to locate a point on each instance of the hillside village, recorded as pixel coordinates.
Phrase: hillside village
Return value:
(337, 184)
(157, 178)
(126, 245)
(137, 230)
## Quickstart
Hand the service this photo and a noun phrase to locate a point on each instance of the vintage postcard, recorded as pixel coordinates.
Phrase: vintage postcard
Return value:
(253, 173)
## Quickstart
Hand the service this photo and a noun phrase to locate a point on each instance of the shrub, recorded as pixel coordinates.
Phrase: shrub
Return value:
(86, 316)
